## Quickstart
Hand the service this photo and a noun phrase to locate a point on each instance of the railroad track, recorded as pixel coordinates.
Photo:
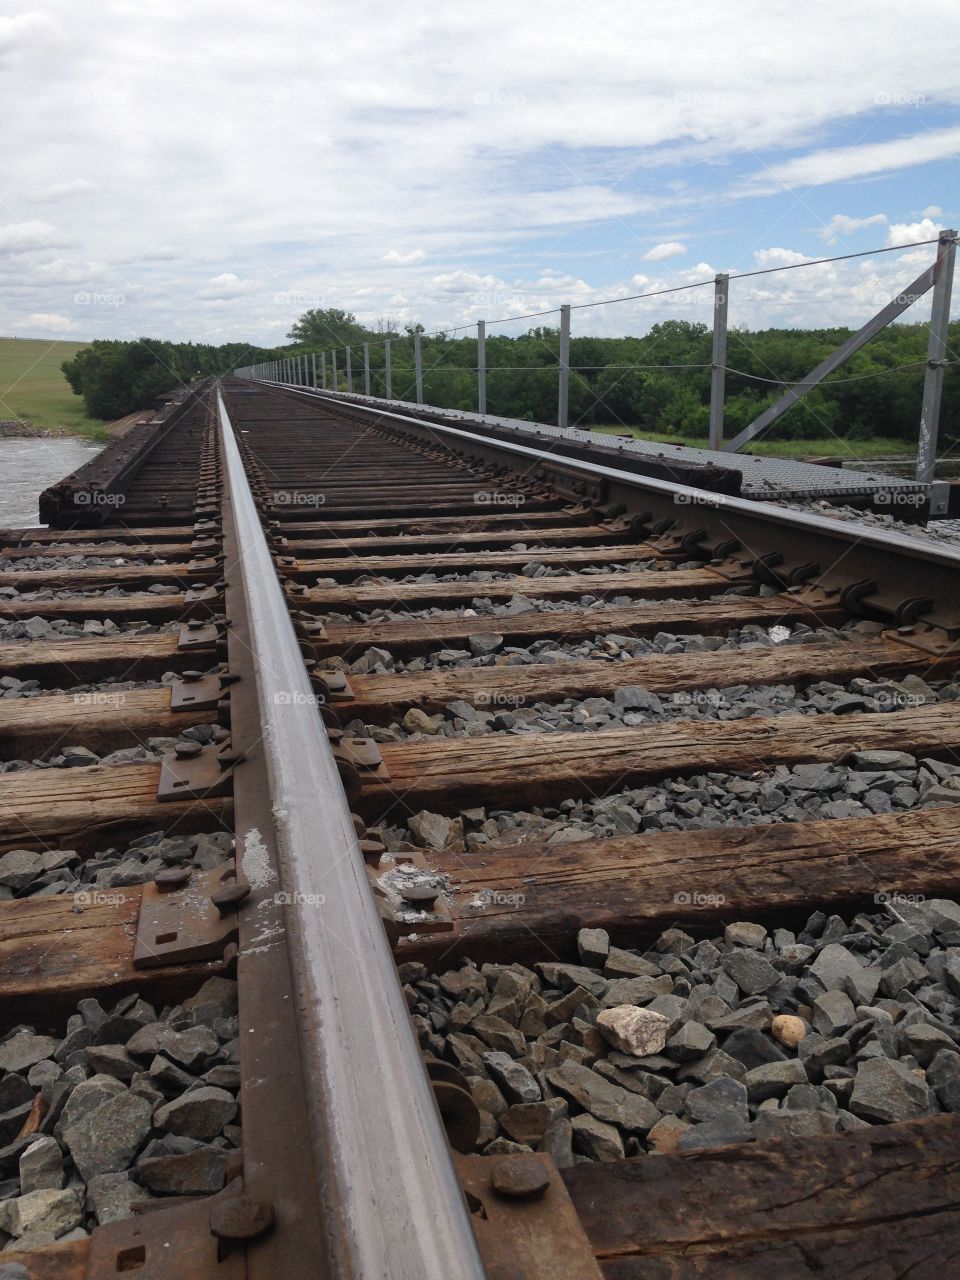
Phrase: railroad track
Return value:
(424, 856)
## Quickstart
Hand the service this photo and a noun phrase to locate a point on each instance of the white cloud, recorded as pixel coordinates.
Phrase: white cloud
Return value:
(63, 271)
(50, 323)
(404, 259)
(669, 249)
(843, 163)
(932, 211)
(225, 286)
(909, 232)
(63, 190)
(25, 31)
(22, 237)
(840, 226)
(777, 257)
(536, 162)
(162, 253)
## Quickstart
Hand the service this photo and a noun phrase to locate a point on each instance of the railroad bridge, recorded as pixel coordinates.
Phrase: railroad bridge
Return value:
(433, 848)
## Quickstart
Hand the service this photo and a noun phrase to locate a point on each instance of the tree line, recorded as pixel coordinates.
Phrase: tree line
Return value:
(617, 381)
(118, 377)
(659, 382)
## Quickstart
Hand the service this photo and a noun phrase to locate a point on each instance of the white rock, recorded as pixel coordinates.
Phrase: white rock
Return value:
(633, 1030)
(47, 1212)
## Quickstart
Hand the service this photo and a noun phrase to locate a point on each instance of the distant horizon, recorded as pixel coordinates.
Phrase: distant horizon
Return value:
(446, 165)
(920, 318)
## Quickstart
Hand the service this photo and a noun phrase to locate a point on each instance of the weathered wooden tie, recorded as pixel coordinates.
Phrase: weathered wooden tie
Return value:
(380, 698)
(534, 769)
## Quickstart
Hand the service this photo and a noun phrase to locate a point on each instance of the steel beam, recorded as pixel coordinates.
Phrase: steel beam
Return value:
(936, 357)
(388, 369)
(563, 388)
(349, 370)
(836, 358)
(418, 367)
(719, 358)
(481, 367)
(333, 366)
(366, 368)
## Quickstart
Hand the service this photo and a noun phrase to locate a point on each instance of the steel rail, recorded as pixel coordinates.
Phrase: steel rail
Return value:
(392, 1203)
(852, 533)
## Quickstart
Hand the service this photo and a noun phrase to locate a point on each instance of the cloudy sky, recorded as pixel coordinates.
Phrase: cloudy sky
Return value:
(209, 170)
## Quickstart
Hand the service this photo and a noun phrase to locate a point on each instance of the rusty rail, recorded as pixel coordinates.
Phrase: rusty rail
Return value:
(389, 1196)
(795, 547)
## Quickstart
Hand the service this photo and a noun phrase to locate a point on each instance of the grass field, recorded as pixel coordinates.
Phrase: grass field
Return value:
(33, 387)
(828, 446)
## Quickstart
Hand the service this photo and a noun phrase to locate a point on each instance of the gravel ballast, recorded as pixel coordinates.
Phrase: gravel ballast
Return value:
(30, 873)
(38, 628)
(485, 650)
(126, 1106)
(696, 1043)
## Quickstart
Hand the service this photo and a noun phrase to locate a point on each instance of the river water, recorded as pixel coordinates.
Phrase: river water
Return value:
(28, 466)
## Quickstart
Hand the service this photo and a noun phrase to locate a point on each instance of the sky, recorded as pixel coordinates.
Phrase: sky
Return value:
(210, 170)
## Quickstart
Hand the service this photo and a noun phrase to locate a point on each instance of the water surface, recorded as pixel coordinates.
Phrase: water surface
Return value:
(28, 466)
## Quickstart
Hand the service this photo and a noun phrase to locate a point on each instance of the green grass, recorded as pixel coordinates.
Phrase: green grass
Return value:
(32, 387)
(828, 446)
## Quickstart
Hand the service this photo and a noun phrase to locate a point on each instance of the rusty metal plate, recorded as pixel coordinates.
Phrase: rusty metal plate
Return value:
(732, 570)
(203, 595)
(168, 1244)
(361, 754)
(195, 695)
(390, 879)
(204, 636)
(936, 641)
(337, 685)
(200, 565)
(184, 925)
(525, 1239)
(194, 778)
